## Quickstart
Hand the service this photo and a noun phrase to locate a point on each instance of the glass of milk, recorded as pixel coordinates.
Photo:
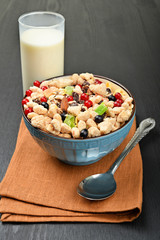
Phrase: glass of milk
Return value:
(41, 46)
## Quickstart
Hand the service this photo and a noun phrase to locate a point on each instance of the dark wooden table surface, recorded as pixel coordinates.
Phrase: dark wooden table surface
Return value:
(119, 39)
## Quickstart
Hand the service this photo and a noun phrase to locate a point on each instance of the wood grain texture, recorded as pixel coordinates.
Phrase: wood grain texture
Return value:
(119, 39)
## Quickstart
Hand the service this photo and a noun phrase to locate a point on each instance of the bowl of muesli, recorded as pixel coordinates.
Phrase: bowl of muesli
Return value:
(78, 118)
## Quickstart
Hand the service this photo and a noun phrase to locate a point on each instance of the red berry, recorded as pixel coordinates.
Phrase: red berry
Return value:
(97, 81)
(43, 88)
(36, 83)
(28, 110)
(24, 101)
(88, 103)
(84, 97)
(43, 99)
(28, 92)
(70, 98)
(120, 101)
(117, 104)
(79, 85)
(118, 95)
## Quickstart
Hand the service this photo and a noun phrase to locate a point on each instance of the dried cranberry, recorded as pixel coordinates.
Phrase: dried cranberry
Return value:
(119, 100)
(84, 97)
(117, 104)
(70, 98)
(118, 95)
(88, 103)
(97, 81)
(36, 83)
(28, 110)
(43, 99)
(28, 92)
(44, 88)
(24, 101)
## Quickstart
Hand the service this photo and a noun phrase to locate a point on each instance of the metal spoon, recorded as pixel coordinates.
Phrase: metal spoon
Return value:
(101, 186)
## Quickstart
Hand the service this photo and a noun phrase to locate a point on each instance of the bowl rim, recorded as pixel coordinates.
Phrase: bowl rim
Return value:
(93, 138)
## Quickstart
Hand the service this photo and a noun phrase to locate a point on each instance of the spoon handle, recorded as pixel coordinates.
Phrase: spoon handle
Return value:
(143, 129)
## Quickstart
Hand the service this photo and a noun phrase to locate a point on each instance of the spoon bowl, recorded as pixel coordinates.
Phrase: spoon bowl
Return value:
(97, 186)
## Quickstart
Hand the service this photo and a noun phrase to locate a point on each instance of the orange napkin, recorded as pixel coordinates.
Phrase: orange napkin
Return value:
(40, 188)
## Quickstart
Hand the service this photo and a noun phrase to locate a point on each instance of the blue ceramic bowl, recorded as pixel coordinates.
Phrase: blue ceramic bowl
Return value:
(81, 151)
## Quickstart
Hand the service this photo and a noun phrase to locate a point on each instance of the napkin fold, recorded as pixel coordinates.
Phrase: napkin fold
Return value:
(40, 188)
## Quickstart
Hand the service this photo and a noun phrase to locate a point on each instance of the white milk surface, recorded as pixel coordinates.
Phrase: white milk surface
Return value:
(42, 55)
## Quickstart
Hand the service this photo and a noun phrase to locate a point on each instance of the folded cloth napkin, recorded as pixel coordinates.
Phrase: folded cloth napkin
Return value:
(40, 188)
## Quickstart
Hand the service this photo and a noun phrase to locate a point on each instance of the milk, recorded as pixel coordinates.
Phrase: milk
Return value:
(42, 55)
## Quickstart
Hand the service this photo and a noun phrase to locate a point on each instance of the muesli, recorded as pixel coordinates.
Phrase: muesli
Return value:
(77, 106)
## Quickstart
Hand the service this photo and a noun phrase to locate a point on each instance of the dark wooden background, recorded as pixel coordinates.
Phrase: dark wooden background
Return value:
(119, 39)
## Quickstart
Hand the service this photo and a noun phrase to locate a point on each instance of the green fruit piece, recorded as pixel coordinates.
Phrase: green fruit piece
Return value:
(70, 121)
(69, 90)
(101, 109)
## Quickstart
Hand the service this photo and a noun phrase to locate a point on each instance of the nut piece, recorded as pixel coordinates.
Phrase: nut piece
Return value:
(129, 100)
(52, 110)
(117, 110)
(74, 78)
(74, 110)
(81, 125)
(93, 132)
(35, 95)
(39, 122)
(47, 120)
(77, 89)
(124, 116)
(93, 114)
(50, 129)
(91, 123)
(105, 127)
(64, 104)
(31, 104)
(31, 115)
(80, 81)
(65, 128)
(98, 89)
(110, 112)
(56, 125)
(75, 132)
(83, 115)
(36, 89)
(39, 109)
(65, 135)
(58, 117)
(109, 103)
(86, 76)
(125, 105)
(116, 126)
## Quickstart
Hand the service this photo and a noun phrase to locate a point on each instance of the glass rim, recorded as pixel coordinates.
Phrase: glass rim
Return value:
(41, 12)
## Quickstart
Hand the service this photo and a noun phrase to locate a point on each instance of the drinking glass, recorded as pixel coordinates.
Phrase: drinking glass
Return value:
(41, 46)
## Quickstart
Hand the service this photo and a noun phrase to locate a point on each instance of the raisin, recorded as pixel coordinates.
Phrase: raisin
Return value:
(75, 96)
(37, 100)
